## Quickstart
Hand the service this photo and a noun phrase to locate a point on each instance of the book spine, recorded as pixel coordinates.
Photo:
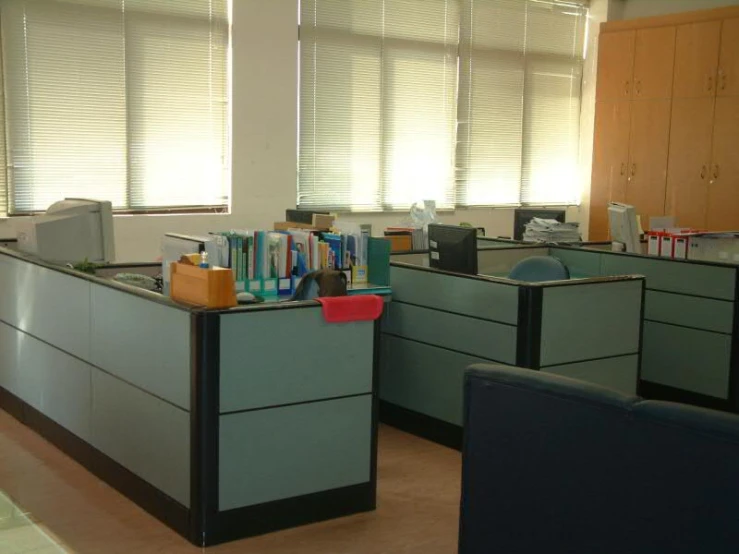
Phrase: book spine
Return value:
(239, 258)
(245, 258)
(232, 258)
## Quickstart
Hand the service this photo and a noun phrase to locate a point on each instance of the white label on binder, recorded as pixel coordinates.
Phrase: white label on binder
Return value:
(434, 255)
(433, 244)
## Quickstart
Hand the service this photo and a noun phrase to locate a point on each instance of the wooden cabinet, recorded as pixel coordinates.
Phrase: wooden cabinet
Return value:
(683, 120)
(728, 71)
(654, 60)
(688, 168)
(616, 52)
(723, 187)
(610, 162)
(696, 59)
(648, 146)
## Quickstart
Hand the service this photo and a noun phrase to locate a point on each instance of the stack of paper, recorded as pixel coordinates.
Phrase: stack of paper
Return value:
(550, 230)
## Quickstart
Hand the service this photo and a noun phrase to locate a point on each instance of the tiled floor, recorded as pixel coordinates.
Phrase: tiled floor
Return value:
(57, 506)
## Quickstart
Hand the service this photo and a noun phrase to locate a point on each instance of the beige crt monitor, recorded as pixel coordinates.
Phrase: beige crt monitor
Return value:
(72, 230)
(624, 226)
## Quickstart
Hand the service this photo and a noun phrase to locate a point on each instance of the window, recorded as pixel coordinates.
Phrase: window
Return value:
(377, 102)
(519, 108)
(120, 100)
(468, 102)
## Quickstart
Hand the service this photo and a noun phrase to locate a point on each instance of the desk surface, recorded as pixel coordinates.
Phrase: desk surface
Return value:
(274, 303)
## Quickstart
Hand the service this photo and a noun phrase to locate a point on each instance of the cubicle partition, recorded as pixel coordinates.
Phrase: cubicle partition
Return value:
(223, 424)
(691, 323)
(441, 322)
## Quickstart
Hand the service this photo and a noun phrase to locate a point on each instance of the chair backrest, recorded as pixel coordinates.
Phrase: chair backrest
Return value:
(552, 464)
(321, 283)
(539, 268)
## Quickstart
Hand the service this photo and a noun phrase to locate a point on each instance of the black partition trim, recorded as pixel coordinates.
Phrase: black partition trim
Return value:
(641, 333)
(422, 425)
(657, 391)
(204, 426)
(734, 356)
(528, 343)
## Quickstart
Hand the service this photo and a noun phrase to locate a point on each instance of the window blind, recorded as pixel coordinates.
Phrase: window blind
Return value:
(120, 100)
(378, 84)
(520, 80)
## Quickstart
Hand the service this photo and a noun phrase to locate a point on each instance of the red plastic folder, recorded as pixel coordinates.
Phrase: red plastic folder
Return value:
(344, 309)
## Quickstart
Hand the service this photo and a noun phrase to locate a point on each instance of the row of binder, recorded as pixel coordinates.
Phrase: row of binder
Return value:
(273, 262)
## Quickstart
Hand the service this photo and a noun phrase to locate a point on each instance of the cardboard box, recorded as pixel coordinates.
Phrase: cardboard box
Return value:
(211, 288)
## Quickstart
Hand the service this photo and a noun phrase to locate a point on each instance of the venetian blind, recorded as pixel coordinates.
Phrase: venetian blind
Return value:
(378, 83)
(120, 100)
(520, 82)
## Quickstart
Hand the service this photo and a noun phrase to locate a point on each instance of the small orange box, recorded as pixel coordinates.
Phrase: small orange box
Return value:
(210, 288)
(400, 243)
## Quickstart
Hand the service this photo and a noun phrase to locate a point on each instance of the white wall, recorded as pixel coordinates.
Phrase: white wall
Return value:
(646, 8)
(264, 130)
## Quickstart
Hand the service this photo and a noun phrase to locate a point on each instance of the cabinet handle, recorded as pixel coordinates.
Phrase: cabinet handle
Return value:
(710, 83)
(715, 175)
(632, 172)
(704, 169)
(722, 77)
(626, 88)
(623, 169)
(637, 85)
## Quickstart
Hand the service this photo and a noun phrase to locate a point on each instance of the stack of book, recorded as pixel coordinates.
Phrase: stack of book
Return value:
(273, 262)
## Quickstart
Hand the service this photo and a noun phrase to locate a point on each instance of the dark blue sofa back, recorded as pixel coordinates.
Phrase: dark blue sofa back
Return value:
(555, 465)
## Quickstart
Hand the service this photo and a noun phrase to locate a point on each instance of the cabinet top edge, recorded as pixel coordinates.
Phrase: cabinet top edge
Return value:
(669, 20)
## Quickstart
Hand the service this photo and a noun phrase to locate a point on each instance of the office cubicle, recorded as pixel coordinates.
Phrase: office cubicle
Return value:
(222, 424)
(441, 322)
(691, 323)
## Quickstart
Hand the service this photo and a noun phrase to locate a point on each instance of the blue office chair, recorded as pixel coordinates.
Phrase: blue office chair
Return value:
(539, 268)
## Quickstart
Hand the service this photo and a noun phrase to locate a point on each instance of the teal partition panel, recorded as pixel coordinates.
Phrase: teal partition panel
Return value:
(690, 311)
(673, 276)
(620, 373)
(415, 258)
(424, 378)
(29, 293)
(499, 263)
(581, 263)
(147, 436)
(272, 357)
(688, 359)
(476, 297)
(271, 454)
(142, 342)
(486, 339)
(50, 380)
(588, 321)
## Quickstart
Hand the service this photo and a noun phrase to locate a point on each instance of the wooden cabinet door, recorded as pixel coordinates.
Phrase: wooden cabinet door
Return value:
(723, 187)
(649, 140)
(615, 65)
(728, 73)
(654, 60)
(696, 60)
(689, 161)
(610, 163)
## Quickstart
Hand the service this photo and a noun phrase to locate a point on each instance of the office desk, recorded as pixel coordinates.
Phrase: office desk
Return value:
(439, 323)
(222, 424)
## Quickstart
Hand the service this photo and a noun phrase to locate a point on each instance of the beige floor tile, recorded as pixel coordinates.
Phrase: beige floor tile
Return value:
(418, 506)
